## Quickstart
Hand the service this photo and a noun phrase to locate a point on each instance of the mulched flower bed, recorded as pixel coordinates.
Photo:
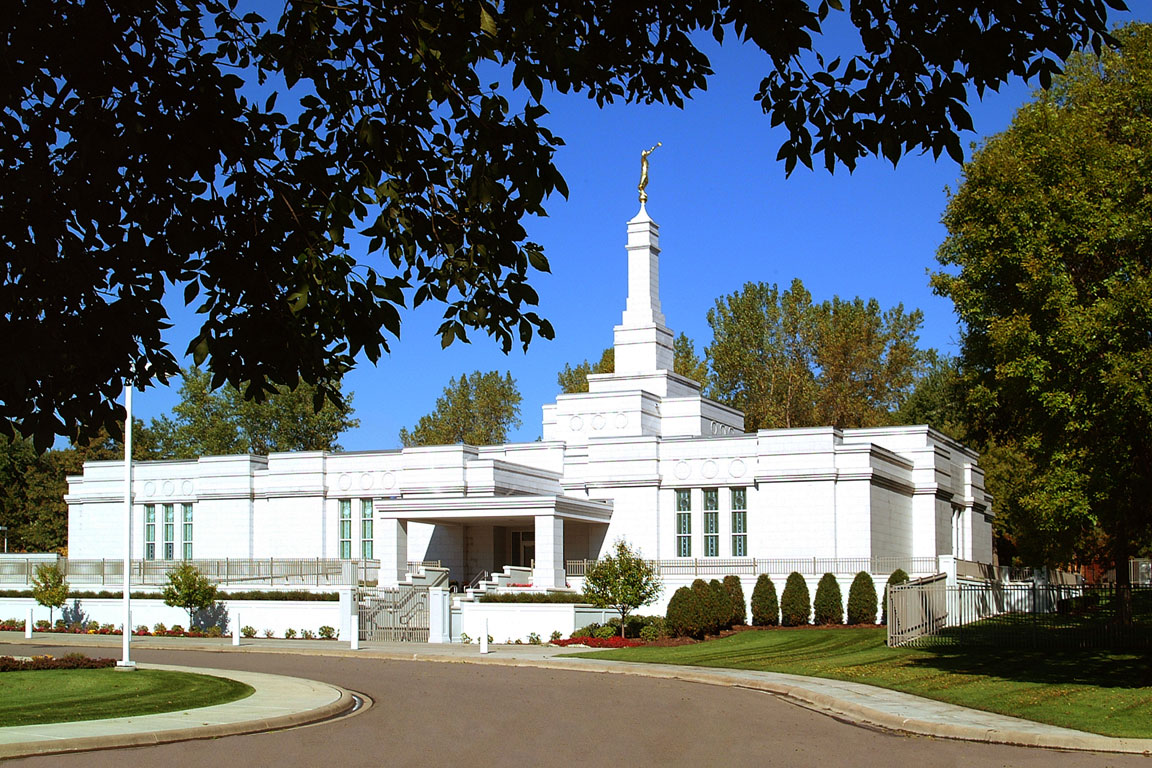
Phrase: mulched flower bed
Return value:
(70, 661)
(600, 642)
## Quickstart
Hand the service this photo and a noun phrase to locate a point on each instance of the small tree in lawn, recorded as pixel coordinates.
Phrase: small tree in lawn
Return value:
(49, 587)
(189, 589)
(623, 582)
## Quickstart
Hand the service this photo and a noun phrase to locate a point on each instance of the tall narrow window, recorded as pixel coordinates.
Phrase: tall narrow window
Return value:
(366, 529)
(711, 523)
(346, 529)
(684, 523)
(169, 532)
(739, 522)
(149, 531)
(186, 538)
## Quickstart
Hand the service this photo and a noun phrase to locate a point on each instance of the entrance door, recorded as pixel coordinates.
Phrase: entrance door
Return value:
(523, 548)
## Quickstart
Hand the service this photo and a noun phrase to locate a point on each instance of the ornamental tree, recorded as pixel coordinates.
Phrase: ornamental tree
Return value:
(300, 179)
(622, 581)
(1049, 264)
(189, 589)
(49, 587)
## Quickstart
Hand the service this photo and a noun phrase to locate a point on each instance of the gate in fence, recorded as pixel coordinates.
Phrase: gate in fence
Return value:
(394, 614)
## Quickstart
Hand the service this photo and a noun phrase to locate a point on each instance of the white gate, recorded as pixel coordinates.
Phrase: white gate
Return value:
(394, 614)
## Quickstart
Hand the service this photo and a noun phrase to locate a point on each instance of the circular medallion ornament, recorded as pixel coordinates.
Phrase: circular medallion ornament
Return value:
(149, 488)
(737, 468)
(621, 420)
(345, 482)
(169, 488)
(576, 424)
(682, 470)
(388, 481)
(709, 469)
(186, 488)
(366, 480)
(598, 421)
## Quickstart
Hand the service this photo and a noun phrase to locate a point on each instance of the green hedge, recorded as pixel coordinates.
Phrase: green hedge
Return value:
(535, 597)
(828, 606)
(898, 577)
(795, 604)
(765, 605)
(736, 597)
(862, 600)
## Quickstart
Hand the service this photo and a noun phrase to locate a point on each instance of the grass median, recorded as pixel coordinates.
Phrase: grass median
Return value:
(1105, 692)
(57, 696)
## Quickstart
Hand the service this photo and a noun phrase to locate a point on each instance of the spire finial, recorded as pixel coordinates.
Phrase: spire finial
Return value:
(644, 173)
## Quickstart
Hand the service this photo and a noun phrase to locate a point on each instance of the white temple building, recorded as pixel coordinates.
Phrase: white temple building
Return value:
(642, 456)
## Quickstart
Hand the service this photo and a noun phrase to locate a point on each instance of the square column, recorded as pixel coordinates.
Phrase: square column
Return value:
(549, 571)
(392, 543)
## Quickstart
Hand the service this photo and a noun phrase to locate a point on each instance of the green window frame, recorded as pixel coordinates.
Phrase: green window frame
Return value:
(186, 537)
(345, 529)
(684, 523)
(366, 529)
(169, 532)
(711, 534)
(149, 531)
(739, 522)
(711, 499)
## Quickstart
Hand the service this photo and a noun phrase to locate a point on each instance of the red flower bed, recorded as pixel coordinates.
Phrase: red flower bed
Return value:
(71, 661)
(600, 642)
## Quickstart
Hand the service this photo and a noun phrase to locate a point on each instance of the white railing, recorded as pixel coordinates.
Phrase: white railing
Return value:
(917, 608)
(806, 566)
(256, 572)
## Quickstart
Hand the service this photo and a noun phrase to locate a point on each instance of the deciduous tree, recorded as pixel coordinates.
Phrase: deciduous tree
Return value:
(49, 587)
(622, 581)
(189, 589)
(1049, 256)
(787, 362)
(477, 409)
(301, 179)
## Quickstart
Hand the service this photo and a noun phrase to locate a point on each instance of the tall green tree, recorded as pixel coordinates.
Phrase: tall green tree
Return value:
(575, 379)
(788, 362)
(382, 120)
(221, 422)
(477, 409)
(1049, 265)
(686, 362)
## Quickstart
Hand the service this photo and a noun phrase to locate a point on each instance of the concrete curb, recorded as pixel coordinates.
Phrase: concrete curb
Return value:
(340, 706)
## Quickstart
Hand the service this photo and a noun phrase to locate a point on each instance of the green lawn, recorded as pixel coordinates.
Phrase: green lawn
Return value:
(1099, 691)
(55, 696)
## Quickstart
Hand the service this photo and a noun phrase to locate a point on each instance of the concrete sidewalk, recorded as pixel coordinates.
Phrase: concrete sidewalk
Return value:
(852, 702)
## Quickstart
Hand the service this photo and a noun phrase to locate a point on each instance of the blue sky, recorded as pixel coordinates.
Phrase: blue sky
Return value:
(727, 216)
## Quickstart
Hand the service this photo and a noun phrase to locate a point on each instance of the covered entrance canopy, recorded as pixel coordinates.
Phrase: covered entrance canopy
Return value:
(547, 518)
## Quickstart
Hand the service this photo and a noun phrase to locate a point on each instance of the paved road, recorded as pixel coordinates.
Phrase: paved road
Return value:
(443, 714)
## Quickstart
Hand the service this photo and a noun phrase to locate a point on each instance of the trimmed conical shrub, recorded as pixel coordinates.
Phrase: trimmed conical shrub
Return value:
(795, 604)
(736, 595)
(862, 600)
(704, 603)
(898, 577)
(765, 606)
(682, 615)
(828, 606)
(721, 605)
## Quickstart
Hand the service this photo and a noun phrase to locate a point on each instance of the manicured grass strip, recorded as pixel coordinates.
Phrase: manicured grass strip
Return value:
(1103, 692)
(56, 696)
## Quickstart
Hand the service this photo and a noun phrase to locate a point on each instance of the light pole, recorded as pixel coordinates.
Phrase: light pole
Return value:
(4, 529)
(126, 663)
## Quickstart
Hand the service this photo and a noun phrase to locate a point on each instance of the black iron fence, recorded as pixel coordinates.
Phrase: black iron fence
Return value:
(1033, 616)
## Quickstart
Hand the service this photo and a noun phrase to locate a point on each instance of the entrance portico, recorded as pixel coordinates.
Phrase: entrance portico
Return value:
(516, 530)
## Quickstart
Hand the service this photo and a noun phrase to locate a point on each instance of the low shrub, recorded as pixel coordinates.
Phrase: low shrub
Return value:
(214, 632)
(269, 633)
(606, 631)
(247, 631)
(765, 605)
(142, 630)
(899, 576)
(307, 634)
(649, 634)
(70, 661)
(795, 604)
(736, 597)
(600, 642)
(159, 628)
(554, 636)
(534, 638)
(862, 600)
(176, 630)
(327, 632)
(828, 606)
(289, 634)
(535, 597)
